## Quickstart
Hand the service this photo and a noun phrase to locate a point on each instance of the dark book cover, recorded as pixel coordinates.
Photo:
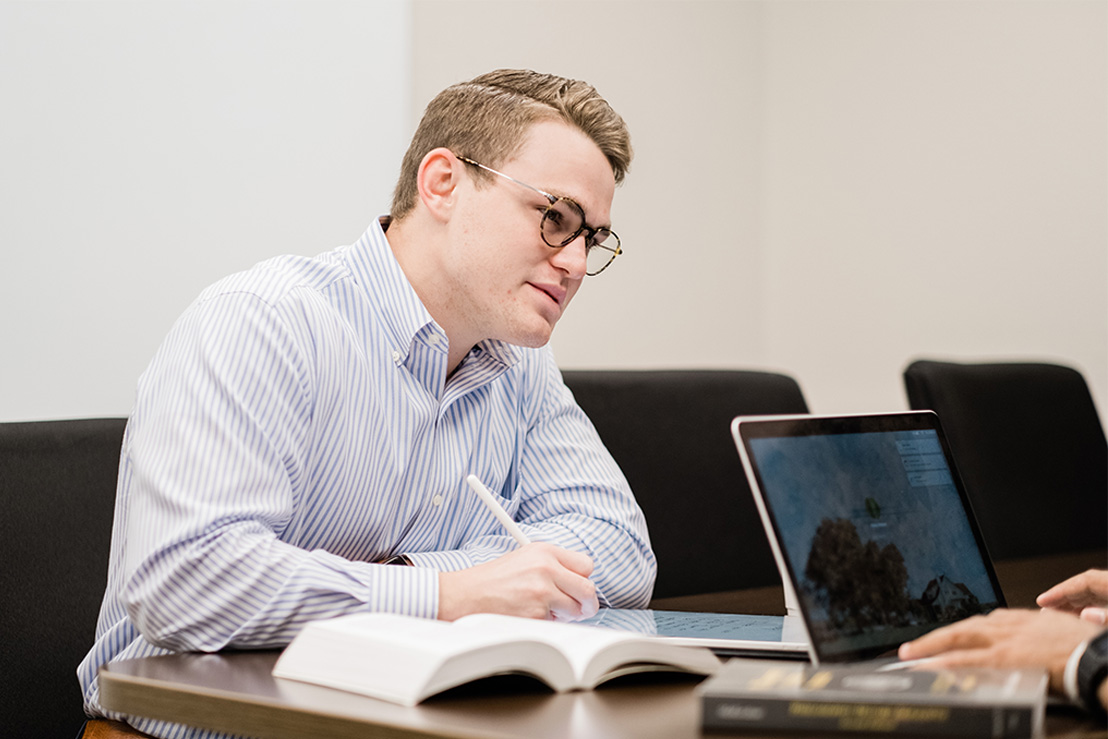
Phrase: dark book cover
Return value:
(769, 695)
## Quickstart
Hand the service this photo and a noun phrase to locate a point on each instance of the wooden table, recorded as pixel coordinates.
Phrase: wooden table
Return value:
(234, 691)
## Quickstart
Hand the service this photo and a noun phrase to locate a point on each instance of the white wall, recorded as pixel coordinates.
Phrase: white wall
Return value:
(935, 183)
(830, 187)
(149, 148)
(825, 187)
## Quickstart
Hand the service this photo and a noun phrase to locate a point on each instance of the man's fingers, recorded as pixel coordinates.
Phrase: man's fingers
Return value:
(960, 636)
(1095, 615)
(577, 562)
(579, 593)
(1090, 588)
(963, 658)
(574, 597)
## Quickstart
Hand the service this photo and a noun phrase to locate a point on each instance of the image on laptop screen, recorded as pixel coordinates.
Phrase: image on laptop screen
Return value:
(872, 522)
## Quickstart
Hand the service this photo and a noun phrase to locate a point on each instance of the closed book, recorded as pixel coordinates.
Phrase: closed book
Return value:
(762, 695)
(404, 659)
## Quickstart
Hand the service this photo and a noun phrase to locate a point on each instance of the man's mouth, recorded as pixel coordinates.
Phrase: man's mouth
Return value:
(554, 292)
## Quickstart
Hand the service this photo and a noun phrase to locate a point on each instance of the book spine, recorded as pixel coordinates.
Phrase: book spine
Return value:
(998, 722)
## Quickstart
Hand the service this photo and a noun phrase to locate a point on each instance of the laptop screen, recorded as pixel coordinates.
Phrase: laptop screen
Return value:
(874, 527)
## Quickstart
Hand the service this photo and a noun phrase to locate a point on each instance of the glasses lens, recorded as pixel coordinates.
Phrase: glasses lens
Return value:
(562, 222)
(603, 250)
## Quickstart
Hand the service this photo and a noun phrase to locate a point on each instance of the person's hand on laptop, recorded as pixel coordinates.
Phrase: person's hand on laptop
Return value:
(1084, 595)
(1073, 613)
(1009, 638)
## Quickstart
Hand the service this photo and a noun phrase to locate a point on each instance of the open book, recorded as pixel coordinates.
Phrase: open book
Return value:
(405, 659)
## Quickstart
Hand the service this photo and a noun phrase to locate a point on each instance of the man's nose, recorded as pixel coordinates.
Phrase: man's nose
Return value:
(573, 257)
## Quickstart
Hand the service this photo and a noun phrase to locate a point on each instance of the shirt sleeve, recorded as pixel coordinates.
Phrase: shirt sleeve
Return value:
(572, 493)
(566, 490)
(213, 462)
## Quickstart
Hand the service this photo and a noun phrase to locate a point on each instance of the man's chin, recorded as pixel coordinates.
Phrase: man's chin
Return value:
(532, 337)
(532, 343)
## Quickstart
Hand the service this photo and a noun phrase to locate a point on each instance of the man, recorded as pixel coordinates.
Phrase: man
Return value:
(1067, 639)
(310, 422)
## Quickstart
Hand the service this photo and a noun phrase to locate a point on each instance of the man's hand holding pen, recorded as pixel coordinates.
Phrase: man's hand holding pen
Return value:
(538, 580)
(535, 581)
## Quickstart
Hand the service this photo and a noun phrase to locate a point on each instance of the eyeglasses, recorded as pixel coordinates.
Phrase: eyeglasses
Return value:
(563, 220)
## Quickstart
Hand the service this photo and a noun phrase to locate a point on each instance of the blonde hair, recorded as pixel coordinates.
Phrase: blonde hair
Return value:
(487, 118)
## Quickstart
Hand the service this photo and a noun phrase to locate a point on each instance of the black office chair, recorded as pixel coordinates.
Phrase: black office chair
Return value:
(1031, 449)
(57, 492)
(670, 432)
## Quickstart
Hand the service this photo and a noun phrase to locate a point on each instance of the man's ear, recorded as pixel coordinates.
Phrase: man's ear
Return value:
(436, 180)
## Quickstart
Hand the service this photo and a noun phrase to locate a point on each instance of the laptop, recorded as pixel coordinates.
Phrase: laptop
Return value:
(870, 526)
(871, 530)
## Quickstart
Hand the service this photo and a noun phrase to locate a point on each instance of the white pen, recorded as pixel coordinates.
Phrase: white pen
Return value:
(497, 510)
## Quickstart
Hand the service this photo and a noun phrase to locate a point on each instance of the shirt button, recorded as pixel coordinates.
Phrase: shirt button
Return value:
(395, 356)
(433, 339)
(436, 501)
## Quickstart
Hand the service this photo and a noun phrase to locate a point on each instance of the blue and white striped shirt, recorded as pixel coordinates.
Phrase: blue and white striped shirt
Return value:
(297, 426)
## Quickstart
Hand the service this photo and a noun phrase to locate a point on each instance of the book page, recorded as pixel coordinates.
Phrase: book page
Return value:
(405, 659)
(578, 643)
(594, 652)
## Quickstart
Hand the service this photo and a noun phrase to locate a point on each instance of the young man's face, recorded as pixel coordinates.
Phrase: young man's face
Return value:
(507, 283)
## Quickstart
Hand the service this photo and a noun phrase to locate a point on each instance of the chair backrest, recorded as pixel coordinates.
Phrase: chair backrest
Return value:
(1031, 449)
(57, 492)
(670, 432)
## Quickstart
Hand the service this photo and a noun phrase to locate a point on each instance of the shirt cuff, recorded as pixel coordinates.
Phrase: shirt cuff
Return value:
(448, 561)
(1069, 676)
(413, 591)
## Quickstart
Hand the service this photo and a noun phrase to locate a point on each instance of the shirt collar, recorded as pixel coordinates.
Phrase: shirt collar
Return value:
(375, 268)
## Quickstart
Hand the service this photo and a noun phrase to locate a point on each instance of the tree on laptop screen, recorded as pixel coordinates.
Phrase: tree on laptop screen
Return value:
(865, 585)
